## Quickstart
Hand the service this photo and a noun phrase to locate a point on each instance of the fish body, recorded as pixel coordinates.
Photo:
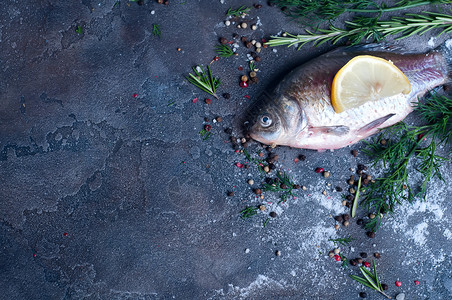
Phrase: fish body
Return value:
(299, 113)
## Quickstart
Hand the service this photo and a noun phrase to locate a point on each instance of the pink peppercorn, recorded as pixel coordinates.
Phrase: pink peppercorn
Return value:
(337, 257)
(366, 264)
(398, 283)
(319, 170)
(243, 84)
(416, 282)
(135, 95)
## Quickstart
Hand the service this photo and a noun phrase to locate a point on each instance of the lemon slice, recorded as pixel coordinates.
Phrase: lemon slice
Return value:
(366, 78)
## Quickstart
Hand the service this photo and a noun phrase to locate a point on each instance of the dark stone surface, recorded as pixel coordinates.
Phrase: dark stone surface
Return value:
(108, 196)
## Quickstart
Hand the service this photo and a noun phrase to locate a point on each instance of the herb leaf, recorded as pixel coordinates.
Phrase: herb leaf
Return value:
(207, 83)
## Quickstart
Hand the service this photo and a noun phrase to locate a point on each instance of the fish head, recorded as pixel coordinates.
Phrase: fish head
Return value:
(276, 120)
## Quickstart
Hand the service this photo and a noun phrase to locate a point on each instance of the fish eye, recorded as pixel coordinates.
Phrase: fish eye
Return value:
(265, 121)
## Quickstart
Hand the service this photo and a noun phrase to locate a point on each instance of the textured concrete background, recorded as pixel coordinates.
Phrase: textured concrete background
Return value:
(108, 196)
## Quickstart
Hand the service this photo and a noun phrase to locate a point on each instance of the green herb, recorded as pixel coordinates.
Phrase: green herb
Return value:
(314, 13)
(342, 241)
(224, 51)
(171, 102)
(285, 185)
(205, 134)
(355, 200)
(252, 65)
(258, 162)
(248, 212)
(368, 28)
(156, 30)
(238, 12)
(79, 29)
(265, 222)
(414, 143)
(205, 82)
(116, 4)
(345, 261)
(370, 279)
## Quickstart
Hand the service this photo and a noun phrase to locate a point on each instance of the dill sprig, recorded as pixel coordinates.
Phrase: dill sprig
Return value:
(248, 212)
(370, 279)
(400, 144)
(242, 10)
(156, 30)
(203, 81)
(283, 184)
(224, 50)
(311, 13)
(342, 241)
(260, 163)
(369, 28)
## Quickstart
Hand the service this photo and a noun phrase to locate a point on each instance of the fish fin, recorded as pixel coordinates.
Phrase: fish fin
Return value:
(336, 130)
(374, 124)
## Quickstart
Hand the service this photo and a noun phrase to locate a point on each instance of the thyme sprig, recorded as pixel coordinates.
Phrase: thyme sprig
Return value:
(204, 81)
(311, 13)
(342, 241)
(242, 10)
(414, 143)
(224, 51)
(284, 184)
(369, 29)
(370, 279)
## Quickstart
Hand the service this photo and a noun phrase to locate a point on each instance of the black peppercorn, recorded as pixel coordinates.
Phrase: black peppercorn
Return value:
(354, 153)
(273, 214)
(363, 254)
(296, 186)
(359, 260)
(226, 95)
(360, 222)
(363, 295)
(338, 189)
(353, 262)
(302, 157)
(230, 194)
(346, 217)
(371, 234)
(338, 218)
(384, 286)
(377, 255)
(349, 197)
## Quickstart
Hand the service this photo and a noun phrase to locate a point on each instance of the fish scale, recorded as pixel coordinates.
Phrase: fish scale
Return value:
(300, 109)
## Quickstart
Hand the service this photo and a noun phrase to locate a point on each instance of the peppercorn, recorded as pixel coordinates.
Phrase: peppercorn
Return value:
(271, 166)
(359, 222)
(353, 262)
(338, 218)
(337, 257)
(366, 181)
(223, 41)
(351, 190)
(244, 78)
(219, 119)
(371, 216)
(296, 186)
(257, 191)
(253, 27)
(302, 157)
(354, 153)
(326, 174)
(253, 74)
(226, 95)
(348, 204)
(336, 227)
(383, 142)
(344, 203)
(338, 189)
(384, 286)
(283, 186)
(349, 197)
(351, 181)
(244, 25)
(359, 260)
(346, 223)
(257, 58)
(377, 255)
(363, 295)
(243, 84)
(250, 181)
(262, 207)
(371, 234)
(319, 170)
(336, 251)
(346, 217)
(230, 194)
(278, 253)
(257, 6)
(331, 254)
(249, 45)
(363, 254)
(254, 79)
(273, 214)
(398, 283)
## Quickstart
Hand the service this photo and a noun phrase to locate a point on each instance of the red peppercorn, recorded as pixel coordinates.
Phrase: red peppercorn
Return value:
(416, 282)
(135, 95)
(243, 84)
(208, 101)
(366, 264)
(216, 58)
(240, 68)
(65, 234)
(398, 283)
(207, 127)
(337, 257)
(319, 170)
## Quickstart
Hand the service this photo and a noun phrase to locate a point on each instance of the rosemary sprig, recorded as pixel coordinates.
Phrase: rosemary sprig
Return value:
(395, 154)
(205, 82)
(224, 51)
(356, 199)
(370, 279)
(205, 134)
(242, 10)
(345, 262)
(310, 12)
(156, 30)
(342, 241)
(369, 28)
(248, 212)
(284, 184)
